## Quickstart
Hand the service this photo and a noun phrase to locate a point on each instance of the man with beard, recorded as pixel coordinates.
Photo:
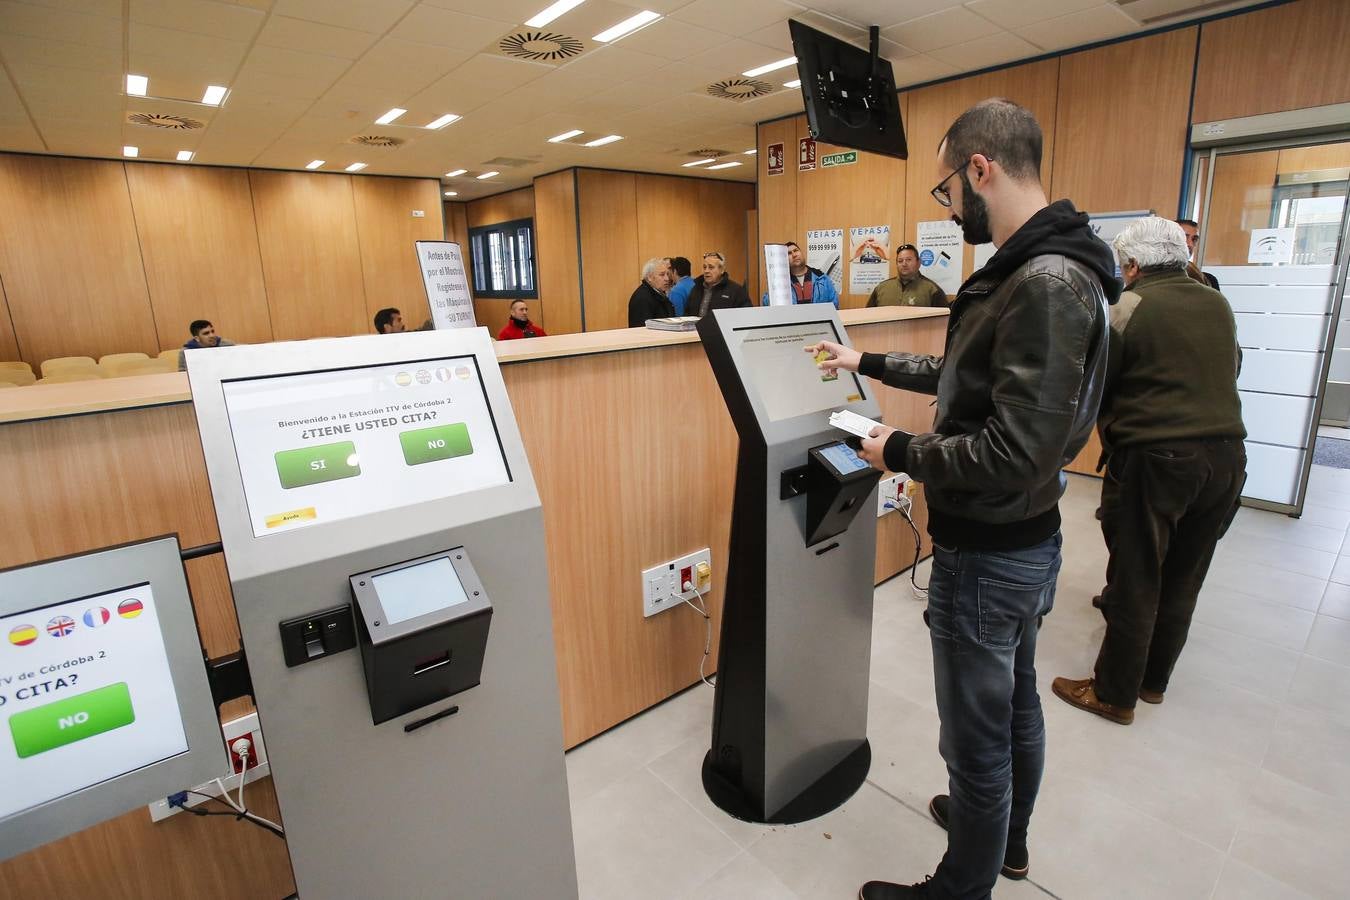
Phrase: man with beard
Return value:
(1017, 394)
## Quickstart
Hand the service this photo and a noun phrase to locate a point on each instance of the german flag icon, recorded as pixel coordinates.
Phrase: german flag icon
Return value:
(129, 609)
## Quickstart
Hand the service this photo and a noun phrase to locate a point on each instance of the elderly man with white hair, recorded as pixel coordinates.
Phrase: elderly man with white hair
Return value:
(649, 301)
(1171, 426)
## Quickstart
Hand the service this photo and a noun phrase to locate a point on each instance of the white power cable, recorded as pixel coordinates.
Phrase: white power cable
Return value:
(702, 609)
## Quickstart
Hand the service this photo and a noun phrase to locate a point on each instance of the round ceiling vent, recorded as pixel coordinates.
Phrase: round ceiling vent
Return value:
(376, 140)
(709, 151)
(164, 120)
(540, 46)
(740, 88)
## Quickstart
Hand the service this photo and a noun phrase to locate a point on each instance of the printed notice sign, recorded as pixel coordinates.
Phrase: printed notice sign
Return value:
(778, 275)
(1271, 247)
(940, 253)
(806, 154)
(775, 159)
(442, 266)
(847, 158)
(869, 257)
(825, 251)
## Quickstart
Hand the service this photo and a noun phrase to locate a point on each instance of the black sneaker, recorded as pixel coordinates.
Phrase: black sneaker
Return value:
(886, 890)
(1015, 860)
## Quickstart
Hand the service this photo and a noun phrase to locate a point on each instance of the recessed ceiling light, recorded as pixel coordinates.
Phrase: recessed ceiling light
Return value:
(314, 164)
(487, 175)
(770, 67)
(452, 193)
(356, 167)
(752, 151)
(794, 83)
(627, 26)
(137, 85)
(607, 139)
(442, 121)
(214, 95)
(184, 155)
(390, 116)
(552, 12)
(725, 165)
(131, 151)
(566, 135)
(456, 173)
(699, 162)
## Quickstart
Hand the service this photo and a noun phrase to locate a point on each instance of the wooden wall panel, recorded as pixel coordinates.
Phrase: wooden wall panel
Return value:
(69, 259)
(507, 207)
(1287, 57)
(387, 231)
(1124, 147)
(557, 261)
(1315, 159)
(199, 244)
(718, 224)
(456, 223)
(311, 254)
(777, 200)
(668, 218)
(607, 202)
(9, 345)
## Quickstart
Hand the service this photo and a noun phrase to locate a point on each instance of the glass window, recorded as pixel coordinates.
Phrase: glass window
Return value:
(503, 260)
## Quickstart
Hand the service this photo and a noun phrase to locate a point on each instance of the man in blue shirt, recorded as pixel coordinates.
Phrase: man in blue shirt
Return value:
(808, 285)
(684, 283)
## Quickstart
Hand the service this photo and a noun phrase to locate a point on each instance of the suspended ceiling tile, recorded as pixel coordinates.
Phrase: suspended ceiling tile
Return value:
(447, 28)
(920, 69)
(375, 16)
(1085, 27)
(314, 37)
(61, 25)
(515, 11)
(479, 81)
(881, 12)
(612, 64)
(21, 50)
(402, 68)
(288, 73)
(776, 36)
(987, 51)
(941, 29)
(735, 18)
(211, 60)
(109, 8)
(223, 20)
(20, 137)
(673, 39)
(1016, 13)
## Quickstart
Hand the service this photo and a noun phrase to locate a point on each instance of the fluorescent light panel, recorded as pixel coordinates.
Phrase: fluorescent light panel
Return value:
(752, 151)
(314, 164)
(794, 83)
(214, 95)
(456, 173)
(390, 116)
(725, 165)
(184, 156)
(137, 85)
(607, 139)
(131, 151)
(452, 193)
(566, 135)
(487, 175)
(356, 167)
(627, 26)
(770, 67)
(442, 121)
(552, 12)
(699, 162)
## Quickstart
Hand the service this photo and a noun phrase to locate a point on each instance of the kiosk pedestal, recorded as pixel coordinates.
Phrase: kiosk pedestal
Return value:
(789, 737)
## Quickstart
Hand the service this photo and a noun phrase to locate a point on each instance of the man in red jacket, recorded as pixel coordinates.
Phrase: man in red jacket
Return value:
(519, 325)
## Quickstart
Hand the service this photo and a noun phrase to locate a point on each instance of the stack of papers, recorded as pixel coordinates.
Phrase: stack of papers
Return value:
(674, 323)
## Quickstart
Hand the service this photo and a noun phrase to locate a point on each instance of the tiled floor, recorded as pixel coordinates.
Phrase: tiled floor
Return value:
(1237, 787)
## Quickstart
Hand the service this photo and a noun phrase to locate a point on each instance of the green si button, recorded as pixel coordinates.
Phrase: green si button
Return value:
(426, 445)
(73, 719)
(312, 465)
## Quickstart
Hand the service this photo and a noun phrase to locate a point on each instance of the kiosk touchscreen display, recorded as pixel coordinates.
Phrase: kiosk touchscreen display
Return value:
(842, 459)
(316, 447)
(428, 587)
(86, 696)
(774, 362)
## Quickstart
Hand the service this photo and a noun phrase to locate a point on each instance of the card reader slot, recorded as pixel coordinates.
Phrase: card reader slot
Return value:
(431, 663)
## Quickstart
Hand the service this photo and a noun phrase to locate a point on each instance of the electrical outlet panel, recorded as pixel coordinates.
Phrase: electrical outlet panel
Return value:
(244, 726)
(661, 585)
(891, 490)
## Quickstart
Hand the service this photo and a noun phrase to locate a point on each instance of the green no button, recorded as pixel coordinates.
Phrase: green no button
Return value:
(430, 444)
(311, 465)
(73, 719)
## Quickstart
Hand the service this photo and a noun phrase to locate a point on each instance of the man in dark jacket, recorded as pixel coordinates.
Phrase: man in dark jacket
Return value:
(1171, 425)
(649, 301)
(1017, 394)
(715, 290)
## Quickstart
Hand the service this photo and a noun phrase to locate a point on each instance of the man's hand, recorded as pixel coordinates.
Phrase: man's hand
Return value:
(874, 446)
(831, 356)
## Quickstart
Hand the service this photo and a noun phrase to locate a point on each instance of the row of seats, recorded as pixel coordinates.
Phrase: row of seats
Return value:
(84, 368)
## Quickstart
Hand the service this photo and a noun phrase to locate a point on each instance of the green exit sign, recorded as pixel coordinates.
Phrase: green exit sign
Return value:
(846, 158)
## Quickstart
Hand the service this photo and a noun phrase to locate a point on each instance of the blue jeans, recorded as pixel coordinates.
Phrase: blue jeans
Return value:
(984, 611)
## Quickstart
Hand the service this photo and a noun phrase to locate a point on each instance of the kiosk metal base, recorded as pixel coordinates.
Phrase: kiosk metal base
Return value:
(827, 793)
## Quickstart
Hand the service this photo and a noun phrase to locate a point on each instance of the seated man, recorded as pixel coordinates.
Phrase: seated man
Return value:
(684, 283)
(649, 301)
(1171, 427)
(389, 321)
(519, 325)
(715, 290)
(203, 335)
(808, 285)
(909, 287)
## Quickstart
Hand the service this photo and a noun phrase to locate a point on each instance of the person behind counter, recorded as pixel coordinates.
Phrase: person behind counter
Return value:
(715, 290)
(519, 325)
(649, 300)
(203, 336)
(809, 285)
(684, 283)
(909, 287)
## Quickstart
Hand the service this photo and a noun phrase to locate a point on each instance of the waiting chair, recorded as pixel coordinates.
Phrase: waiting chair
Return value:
(123, 363)
(62, 363)
(78, 373)
(109, 362)
(15, 365)
(141, 367)
(17, 377)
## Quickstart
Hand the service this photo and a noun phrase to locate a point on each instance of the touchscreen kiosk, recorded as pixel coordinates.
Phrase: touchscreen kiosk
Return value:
(104, 697)
(385, 547)
(789, 737)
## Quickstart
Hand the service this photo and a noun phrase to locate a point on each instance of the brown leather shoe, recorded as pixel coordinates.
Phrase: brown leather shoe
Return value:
(1154, 697)
(1082, 695)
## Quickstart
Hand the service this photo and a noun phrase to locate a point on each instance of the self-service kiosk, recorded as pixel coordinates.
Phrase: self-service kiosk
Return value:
(385, 548)
(789, 736)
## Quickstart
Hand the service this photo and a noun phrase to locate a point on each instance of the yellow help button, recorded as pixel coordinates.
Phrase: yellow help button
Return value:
(294, 515)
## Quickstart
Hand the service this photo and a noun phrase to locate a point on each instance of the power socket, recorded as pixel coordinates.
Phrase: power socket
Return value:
(245, 727)
(661, 585)
(891, 490)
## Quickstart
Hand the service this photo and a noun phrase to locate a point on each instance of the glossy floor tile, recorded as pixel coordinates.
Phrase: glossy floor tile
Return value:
(1237, 786)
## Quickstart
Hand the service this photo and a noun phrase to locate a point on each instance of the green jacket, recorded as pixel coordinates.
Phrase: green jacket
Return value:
(921, 291)
(1172, 365)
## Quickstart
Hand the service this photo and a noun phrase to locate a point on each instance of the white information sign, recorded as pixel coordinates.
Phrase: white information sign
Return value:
(1271, 247)
(1107, 225)
(777, 274)
(984, 253)
(869, 257)
(825, 251)
(941, 253)
(442, 266)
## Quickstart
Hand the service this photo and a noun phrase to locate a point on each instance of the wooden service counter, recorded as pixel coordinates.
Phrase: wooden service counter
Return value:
(635, 459)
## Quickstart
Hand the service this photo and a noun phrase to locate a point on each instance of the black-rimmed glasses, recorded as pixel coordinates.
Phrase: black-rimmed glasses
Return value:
(940, 193)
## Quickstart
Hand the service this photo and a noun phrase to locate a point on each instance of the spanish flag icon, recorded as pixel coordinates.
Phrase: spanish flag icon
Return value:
(22, 635)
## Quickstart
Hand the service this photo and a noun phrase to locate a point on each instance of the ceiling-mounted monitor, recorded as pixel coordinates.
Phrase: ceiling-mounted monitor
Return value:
(849, 92)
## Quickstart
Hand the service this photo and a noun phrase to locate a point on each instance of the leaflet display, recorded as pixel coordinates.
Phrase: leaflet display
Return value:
(786, 377)
(318, 447)
(86, 696)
